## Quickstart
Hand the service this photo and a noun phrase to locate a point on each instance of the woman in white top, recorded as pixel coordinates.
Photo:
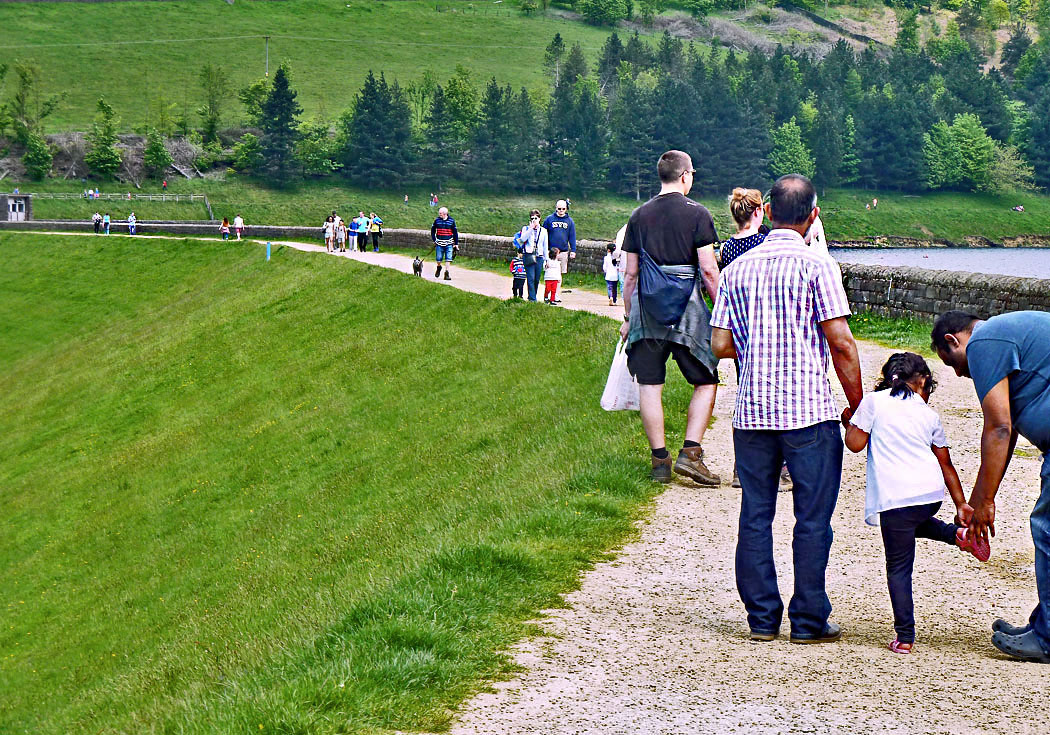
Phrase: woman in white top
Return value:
(909, 467)
(533, 239)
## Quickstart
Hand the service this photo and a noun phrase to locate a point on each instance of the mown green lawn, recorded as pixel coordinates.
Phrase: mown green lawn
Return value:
(90, 49)
(298, 496)
(951, 216)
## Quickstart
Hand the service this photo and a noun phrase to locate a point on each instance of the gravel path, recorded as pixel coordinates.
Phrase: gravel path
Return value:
(655, 640)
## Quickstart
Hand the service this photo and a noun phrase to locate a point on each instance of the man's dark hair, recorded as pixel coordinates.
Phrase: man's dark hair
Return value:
(792, 198)
(672, 165)
(950, 322)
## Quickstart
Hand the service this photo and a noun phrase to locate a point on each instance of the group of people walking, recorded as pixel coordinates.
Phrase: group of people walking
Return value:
(341, 235)
(780, 312)
(544, 247)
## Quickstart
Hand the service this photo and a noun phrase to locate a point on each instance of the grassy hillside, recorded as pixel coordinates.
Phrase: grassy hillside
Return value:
(93, 49)
(268, 497)
(946, 215)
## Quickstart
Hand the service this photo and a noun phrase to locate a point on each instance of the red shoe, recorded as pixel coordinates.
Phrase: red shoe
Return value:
(898, 647)
(980, 548)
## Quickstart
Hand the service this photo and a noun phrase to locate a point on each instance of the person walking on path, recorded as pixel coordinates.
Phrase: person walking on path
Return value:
(362, 231)
(131, 223)
(1008, 359)
(782, 311)
(517, 271)
(612, 274)
(340, 235)
(445, 237)
(238, 225)
(105, 222)
(96, 221)
(745, 206)
(909, 468)
(352, 234)
(224, 230)
(551, 278)
(534, 250)
(376, 230)
(561, 233)
(674, 235)
(329, 233)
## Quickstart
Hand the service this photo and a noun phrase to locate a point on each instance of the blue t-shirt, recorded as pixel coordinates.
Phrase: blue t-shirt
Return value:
(1016, 346)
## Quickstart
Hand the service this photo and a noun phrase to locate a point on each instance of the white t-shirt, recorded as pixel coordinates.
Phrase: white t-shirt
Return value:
(552, 270)
(611, 273)
(902, 469)
(238, 222)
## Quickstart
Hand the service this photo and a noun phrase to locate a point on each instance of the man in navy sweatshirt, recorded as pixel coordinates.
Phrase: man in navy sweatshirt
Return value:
(561, 233)
(446, 237)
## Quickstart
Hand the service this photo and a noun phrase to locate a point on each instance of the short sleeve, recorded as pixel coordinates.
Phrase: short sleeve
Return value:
(990, 361)
(705, 229)
(864, 417)
(721, 314)
(829, 297)
(939, 439)
(630, 237)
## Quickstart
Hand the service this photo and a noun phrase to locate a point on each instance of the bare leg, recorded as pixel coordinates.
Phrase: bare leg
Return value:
(701, 406)
(651, 398)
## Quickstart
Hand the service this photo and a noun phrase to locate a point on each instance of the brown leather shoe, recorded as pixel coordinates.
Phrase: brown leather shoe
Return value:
(690, 463)
(661, 469)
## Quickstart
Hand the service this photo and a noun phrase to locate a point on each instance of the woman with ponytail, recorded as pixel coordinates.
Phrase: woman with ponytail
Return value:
(909, 467)
(745, 205)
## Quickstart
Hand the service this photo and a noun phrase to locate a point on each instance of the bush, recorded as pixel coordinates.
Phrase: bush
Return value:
(38, 157)
(603, 12)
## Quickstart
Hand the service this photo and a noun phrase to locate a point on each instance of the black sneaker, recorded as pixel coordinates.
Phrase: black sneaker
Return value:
(437, 273)
(448, 276)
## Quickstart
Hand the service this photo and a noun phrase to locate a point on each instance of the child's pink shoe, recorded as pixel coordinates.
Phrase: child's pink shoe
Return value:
(980, 548)
(898, 647)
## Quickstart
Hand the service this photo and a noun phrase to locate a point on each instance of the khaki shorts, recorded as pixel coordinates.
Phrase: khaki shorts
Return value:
(563, 258)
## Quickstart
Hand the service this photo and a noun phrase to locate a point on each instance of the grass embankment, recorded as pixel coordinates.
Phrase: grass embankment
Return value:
(88, 49)
(298, 496)
(951, 216)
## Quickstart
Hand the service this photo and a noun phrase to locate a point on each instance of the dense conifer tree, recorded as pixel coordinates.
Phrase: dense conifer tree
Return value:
(279, 123)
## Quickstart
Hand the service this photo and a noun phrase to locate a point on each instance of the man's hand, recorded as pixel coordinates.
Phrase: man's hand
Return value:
(572, 256)
(847, 414)
(625, 329)
(983, 520)
(964, 514)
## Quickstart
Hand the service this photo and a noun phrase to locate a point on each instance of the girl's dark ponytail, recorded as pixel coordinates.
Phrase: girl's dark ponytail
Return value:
(901, 369)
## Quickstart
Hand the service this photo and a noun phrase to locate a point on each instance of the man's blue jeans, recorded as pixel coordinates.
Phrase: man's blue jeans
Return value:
(814, 459)
(1040, 522)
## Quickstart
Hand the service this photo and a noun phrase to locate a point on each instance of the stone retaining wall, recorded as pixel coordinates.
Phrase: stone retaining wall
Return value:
(897, 292)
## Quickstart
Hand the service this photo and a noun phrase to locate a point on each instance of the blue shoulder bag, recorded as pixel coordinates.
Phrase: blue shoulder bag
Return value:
(662, 296)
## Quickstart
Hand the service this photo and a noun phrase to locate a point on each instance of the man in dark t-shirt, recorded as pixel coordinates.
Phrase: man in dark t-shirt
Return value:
(1008, 358)
(677, 234)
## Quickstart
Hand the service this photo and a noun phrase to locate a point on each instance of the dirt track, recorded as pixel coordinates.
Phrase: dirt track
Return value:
(655, 641)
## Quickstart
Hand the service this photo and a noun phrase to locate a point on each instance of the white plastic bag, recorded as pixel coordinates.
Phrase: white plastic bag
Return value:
(621, 389)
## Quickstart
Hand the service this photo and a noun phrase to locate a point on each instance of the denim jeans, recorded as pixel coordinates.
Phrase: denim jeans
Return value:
(814, 459)
(1040, 522)
(532, 275)
(441, 253)
(900, 527)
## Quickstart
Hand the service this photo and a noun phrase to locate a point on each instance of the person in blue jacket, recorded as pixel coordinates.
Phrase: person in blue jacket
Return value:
(561, 233)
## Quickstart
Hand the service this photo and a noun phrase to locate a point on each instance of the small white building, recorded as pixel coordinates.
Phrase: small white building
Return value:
(16, 207)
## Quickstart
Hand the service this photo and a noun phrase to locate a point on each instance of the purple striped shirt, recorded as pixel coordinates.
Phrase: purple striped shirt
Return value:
(773, 298)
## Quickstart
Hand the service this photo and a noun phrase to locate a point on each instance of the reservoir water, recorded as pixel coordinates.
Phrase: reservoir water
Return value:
(1026, 262)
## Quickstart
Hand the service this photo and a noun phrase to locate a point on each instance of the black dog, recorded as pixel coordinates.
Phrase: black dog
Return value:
(417, 267)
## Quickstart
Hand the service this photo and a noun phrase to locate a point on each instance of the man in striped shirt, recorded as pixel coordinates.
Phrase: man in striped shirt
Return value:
(782, 311)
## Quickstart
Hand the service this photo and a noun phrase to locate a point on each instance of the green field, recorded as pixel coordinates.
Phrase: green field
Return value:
(287, 496)
(951, 216)
(135, 52)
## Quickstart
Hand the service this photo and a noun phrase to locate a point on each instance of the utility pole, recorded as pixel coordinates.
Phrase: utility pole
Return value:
(267, 56)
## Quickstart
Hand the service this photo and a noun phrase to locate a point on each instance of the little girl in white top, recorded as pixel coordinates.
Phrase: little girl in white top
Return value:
(909, 467)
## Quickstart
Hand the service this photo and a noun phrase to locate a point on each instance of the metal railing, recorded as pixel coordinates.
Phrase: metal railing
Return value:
(122, 197)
